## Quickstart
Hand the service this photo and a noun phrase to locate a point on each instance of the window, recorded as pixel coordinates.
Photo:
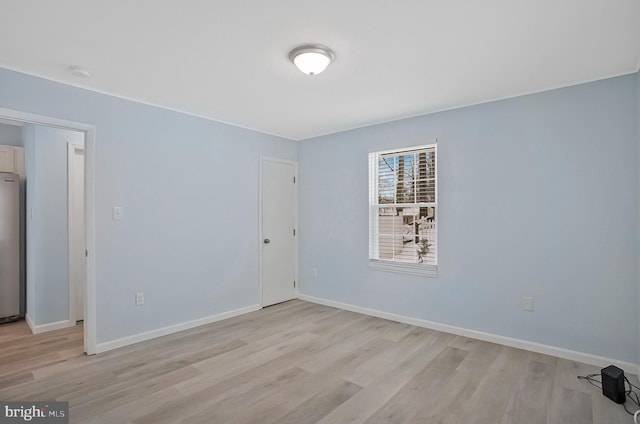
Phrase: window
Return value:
(403, 209)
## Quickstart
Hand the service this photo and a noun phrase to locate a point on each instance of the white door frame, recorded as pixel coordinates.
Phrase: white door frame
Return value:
(71, 151)
(89, 187)
(295, 221)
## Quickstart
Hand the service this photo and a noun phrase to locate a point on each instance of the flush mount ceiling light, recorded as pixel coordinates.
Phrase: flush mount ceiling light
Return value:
(79, 71)
(311, 58)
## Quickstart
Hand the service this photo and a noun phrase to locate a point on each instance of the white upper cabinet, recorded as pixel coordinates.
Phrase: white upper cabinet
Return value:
(7, 159)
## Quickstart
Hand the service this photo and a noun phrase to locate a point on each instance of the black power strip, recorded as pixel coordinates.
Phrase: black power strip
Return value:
(613, 384)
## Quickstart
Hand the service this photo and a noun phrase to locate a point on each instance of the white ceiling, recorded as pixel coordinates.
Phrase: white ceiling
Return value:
(227, 59)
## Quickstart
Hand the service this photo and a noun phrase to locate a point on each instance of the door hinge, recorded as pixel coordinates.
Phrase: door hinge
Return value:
(294, 284)
(294, 231)
(294, 180)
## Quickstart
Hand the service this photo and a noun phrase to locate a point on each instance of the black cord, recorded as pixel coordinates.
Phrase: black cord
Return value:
(625, 408)
(631, 384)
(631, 393)
(591, 380)
(589, 376)
(631, 396)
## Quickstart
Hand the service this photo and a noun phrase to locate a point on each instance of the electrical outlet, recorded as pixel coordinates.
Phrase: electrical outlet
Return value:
(315, 272)
(118, 213)
(139, 299)
(527, 304)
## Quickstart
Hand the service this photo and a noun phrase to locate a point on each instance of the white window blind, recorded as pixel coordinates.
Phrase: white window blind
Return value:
(403, 208)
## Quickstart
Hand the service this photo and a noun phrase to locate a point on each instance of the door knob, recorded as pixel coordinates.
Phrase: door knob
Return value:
(267, 241)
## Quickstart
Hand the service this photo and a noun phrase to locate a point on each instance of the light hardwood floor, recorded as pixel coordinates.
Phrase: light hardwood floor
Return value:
(298, 362)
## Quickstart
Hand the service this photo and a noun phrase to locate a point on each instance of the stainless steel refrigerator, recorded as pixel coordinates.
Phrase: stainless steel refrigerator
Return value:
(9, 246)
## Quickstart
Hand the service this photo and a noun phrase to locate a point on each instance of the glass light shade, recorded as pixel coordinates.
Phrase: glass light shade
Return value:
(311, 59)
(311, 63)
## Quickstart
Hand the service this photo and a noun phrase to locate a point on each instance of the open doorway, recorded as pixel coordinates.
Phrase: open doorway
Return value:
(78, 228)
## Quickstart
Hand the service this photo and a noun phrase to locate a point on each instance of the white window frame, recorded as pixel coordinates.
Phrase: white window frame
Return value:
(428, 270)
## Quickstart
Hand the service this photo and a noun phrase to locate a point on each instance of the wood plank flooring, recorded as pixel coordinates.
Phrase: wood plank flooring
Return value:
(299, 362)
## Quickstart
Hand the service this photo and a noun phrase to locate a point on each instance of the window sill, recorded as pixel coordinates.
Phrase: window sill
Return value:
(404, 268)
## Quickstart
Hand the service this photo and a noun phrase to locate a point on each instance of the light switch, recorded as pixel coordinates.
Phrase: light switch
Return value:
(527, 304)
(118, 213)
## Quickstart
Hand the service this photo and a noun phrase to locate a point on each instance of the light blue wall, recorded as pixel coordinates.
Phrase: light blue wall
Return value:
(189, 188)
(538, 196)
(46, 166)
(10, 135)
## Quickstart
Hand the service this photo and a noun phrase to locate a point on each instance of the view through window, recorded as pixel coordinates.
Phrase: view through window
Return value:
(403, 206)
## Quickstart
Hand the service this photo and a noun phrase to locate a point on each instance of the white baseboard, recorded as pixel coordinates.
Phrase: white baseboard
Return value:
(559, 352)
(43, 328)
(29, 322)
(152, 334)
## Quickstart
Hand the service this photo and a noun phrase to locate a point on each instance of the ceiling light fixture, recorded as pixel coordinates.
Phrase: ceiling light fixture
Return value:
(311, 58)
(79, 71)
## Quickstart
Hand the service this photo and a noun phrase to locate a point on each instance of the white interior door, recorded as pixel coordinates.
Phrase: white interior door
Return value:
(76, 230)
(278, 231)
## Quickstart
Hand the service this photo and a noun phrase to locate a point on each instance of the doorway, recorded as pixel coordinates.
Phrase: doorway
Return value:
(278, 231)
(89, 327)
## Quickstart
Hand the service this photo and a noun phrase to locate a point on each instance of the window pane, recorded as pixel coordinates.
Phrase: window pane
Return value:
(387, 179)
(426, 191)
(407, 177)
(426, 244)
(389, 233)
(407, 234)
